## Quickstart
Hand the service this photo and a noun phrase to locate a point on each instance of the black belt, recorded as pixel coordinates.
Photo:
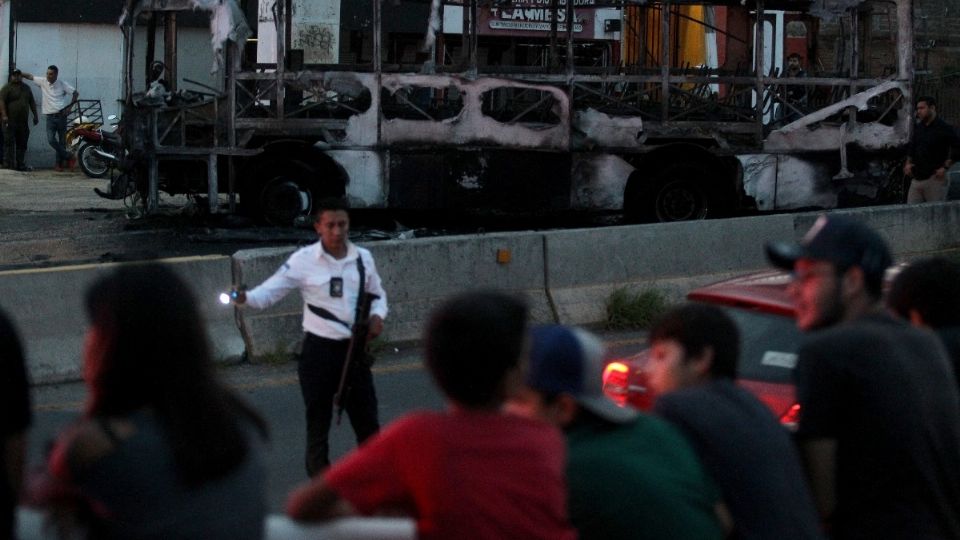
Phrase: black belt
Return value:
(314, 337)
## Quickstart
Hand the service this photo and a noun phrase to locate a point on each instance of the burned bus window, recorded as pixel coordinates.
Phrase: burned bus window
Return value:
(525, 105)
(421, 103)
(882, 108)
(336, 98)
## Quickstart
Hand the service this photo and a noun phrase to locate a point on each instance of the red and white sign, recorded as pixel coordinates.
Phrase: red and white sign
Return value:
(533, 18)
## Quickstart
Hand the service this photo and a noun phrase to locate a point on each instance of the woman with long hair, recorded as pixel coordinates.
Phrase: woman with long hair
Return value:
(163, 449)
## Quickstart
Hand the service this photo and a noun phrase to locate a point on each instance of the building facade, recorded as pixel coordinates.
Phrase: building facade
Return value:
(82, 38)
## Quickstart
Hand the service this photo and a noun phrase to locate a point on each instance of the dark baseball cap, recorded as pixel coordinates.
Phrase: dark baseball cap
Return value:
(840, 240)
(16, 72)
(569, 360)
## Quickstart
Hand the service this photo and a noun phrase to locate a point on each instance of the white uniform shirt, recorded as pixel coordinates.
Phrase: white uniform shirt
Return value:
(56, 96)
(310, 269)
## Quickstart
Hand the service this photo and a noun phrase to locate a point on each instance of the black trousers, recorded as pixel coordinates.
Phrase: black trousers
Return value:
(15, 136)
(319, 367)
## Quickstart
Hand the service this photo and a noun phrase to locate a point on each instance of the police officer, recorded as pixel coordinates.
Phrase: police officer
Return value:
(329, 274)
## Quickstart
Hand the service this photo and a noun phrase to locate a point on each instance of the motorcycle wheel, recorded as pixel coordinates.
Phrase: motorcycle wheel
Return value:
(90, 163)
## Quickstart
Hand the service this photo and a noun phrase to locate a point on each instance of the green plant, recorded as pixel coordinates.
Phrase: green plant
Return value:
(627, 310)
(377, 345)
(275, 357)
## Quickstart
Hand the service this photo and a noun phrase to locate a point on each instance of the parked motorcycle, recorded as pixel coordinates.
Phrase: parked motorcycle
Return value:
(72, 138)
(98, 150)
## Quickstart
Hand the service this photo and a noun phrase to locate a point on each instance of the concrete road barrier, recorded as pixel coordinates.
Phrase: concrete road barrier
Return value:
(567, 276)
(909, 229)
(420, 274)
(275, 332)
(47, 307)
(417, 275)
(586, 266)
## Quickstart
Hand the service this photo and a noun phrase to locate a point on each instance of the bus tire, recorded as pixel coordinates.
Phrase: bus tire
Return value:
(674, 193)
(287, 197)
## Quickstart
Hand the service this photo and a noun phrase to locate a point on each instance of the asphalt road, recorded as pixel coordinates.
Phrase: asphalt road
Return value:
(54, 219)
(50, 218)
(402, 383)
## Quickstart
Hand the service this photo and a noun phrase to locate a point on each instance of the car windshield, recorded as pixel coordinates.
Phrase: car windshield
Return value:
(769, 345)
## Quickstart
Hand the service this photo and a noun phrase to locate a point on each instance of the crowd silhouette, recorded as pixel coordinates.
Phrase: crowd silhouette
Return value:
(528, 445)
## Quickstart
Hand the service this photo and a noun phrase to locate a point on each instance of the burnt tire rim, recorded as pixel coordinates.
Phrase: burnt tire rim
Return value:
(284, 200)
(681, 200)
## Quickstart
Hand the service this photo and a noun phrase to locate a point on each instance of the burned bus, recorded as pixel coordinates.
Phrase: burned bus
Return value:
(664, 111)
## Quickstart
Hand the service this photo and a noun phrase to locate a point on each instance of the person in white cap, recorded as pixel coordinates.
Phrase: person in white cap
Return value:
(630, 475)
(16, 101)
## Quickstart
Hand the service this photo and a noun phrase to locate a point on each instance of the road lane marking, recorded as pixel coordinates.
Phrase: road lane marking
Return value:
(92, 266)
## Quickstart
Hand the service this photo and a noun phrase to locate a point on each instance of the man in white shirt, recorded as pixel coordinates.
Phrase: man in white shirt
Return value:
(58, 98)
(328, 274)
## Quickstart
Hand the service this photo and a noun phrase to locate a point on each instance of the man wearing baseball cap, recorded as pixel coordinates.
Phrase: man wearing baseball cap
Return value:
(629, 475)
(880, 412)
(16, 102)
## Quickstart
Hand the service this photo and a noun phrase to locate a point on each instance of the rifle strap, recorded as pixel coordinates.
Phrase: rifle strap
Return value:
(361, 292)
(325, 314)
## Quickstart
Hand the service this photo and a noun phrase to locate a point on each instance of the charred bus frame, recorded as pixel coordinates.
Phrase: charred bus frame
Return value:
(652, 136)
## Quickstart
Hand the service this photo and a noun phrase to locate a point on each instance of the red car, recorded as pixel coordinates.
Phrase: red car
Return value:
(759, 304)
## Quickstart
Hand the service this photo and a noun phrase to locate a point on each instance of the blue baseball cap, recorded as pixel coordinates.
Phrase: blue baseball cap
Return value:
(570, 361)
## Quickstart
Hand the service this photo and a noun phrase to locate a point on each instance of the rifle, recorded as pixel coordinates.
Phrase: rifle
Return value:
(355, 349)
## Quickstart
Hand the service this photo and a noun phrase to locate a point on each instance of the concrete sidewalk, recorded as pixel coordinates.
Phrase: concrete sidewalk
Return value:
(45, 190)
(50, 218)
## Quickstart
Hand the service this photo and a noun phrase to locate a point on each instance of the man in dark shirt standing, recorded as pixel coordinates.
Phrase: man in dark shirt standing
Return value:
(933, 150)
(795, 96)
(879, 425)
(16, 102)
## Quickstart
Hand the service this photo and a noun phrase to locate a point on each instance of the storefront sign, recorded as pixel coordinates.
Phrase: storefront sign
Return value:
(531, 20)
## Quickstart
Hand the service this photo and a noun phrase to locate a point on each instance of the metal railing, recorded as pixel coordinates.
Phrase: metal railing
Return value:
(87, 111)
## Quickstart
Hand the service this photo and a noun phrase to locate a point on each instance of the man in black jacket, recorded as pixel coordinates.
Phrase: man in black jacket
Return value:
(933, 149)
(16, 102)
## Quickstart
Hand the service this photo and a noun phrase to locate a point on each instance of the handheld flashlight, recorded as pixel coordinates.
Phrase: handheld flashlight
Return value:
(226, 298)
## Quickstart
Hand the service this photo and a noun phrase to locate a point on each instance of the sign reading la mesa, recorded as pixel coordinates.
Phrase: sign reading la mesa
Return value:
(536, 19)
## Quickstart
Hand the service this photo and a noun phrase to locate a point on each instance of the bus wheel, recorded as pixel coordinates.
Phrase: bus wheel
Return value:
(680, 199)
(677, 192)
(287, 197)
